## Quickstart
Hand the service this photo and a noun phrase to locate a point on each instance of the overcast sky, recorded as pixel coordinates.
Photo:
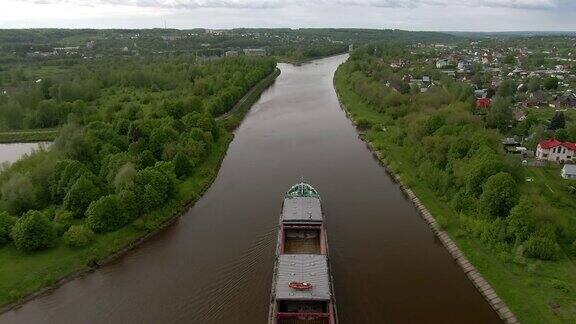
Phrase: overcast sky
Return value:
(466, 15)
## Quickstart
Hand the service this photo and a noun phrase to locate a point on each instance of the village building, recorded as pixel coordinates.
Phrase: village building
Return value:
(569, 171)
(443, 63)
(484, 103)
(554, 150)
(537, 98)
(254, 52)
(567, 100)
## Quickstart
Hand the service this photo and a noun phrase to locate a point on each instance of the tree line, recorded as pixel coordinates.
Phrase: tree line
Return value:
(131, 130)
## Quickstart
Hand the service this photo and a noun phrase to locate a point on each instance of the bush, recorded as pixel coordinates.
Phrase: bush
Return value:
(6, 224)
(80, 195)
(78, 236)
(105, 214)
(33, 231)
(182, 165)
(152, 187)
(18, 194)
(500, 194)
(62, 221)
(363, 123)
(543, 248)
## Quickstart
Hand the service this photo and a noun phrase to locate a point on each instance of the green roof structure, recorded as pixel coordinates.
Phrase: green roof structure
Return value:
(302, 190)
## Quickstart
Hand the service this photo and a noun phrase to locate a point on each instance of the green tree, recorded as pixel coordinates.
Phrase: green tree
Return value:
(551, 83)
(152, 188)
(6, 224)
(80, 195)
(18, 193)
(33, 231)
(500, 114)
(182, 165)
(105, 214)
(558, 121)
(499, 195)
(506, 89)
(78, 236)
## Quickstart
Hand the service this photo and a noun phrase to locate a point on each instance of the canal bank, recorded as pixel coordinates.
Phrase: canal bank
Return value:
(215, 265)
(128, 239)
(459, 257)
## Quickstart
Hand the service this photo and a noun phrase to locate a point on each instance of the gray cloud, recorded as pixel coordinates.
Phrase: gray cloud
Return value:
(267, 4)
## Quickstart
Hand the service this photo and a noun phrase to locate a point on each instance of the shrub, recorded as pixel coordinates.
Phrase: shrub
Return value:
(129, 203)
(33, 231)
(363, 123)
(105, 214)
(78, 236)
(520, 222)
(6, 224)
(62, 221)
(152, 187)
(18, 193)
(182, 165)
(80, 195)
(499, 195)
(543, 248)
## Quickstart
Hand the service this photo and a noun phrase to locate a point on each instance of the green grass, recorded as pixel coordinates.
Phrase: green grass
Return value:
(33, 135)
(22, 274)
(536, 291)
(546, 113)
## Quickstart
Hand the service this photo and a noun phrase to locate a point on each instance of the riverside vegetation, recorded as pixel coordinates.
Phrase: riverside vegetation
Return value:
(521, 235)
(138, 142)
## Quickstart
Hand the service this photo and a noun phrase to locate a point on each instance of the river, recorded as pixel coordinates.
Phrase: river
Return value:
(215, 264)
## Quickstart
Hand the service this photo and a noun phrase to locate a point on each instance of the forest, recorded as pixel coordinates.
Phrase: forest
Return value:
(138, 140)
(521, 234)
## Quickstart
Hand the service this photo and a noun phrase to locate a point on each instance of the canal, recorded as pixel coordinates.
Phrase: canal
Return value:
(215, 264)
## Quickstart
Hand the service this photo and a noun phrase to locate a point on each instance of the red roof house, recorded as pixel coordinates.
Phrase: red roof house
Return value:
(483, 103)
(555, 150)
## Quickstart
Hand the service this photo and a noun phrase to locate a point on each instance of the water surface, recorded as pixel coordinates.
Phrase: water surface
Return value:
(215, 264)
(11, 152)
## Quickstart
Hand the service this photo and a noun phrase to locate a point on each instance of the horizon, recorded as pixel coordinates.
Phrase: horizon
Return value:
(413, 15)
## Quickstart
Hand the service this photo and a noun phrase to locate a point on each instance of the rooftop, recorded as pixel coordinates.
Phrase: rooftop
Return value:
(301, 209)
(309, 268)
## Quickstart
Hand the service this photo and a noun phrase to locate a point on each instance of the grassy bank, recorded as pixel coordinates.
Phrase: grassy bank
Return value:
(23, 274)
(536, 291)
(34, 135)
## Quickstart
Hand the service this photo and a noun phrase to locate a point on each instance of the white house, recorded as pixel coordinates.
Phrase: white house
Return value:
(554, 150)
(569, 171)
(442, 63)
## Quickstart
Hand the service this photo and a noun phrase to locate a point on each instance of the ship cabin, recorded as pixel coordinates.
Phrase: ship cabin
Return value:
(303, 282)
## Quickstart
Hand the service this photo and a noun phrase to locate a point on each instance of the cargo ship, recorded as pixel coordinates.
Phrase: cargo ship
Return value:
(302, 287)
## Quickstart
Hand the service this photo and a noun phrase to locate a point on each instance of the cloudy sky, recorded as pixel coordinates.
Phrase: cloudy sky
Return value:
(468, 15)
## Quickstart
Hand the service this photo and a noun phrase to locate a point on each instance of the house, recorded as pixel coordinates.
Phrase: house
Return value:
(569, 171)
(519, 115)
(254, 51)
(537, 98)
(464, 66)
(440, 64)
(567, 100)
(231, 53)
(481, 93)
(554, 150)
(483, 103)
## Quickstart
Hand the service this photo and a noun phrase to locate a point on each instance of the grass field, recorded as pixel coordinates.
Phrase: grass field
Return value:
(536, 291)
(33, 135)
